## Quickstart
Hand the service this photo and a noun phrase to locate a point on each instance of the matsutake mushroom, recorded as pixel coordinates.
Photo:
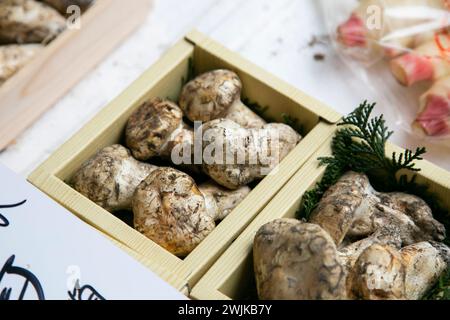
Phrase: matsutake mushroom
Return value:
(352, 208)
(388, 235)
(220, 201)
(234, 156)
(170, 209)
(29, 21)
(297, 260)
(111, 177)
(155, 128)
(217, 94)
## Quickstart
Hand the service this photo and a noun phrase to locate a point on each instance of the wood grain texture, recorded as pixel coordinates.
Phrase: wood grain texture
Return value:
(233, 271)
(36, 87)
(164, 80)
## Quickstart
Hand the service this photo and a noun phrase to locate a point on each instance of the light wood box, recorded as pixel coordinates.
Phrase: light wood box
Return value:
(49, 75)
(165, 79)
(232, 276)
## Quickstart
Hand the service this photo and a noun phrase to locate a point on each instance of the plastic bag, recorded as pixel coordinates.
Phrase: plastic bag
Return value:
(401, 49)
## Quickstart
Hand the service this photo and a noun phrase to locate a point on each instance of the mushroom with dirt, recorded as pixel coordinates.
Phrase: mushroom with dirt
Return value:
(297, 261)
(217, 94)
(234, 156)
(155, 128)
(29, 21)
(170, 209)
(384, 272)
(352, 208)
(111, 177)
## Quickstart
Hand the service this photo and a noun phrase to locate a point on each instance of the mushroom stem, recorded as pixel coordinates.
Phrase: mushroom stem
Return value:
(215, 95)
(345, 203)
(352, 208)
(181, 135)
(244, 116)
(220, 201)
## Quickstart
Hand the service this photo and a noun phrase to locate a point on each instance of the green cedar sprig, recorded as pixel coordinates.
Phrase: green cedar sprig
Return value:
(360, 145)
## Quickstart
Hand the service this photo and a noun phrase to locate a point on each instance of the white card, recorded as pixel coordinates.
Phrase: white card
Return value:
(48, 253)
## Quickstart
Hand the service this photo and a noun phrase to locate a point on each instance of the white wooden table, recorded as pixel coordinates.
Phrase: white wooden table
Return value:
(272, 34)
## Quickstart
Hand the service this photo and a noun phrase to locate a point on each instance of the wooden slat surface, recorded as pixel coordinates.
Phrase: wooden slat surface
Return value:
(49, 76)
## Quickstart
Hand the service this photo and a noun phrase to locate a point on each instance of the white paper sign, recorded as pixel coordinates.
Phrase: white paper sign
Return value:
(48, 253)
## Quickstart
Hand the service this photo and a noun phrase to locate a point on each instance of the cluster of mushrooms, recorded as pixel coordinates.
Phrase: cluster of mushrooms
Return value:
(358, 244)
(26, 26)
(168, 205)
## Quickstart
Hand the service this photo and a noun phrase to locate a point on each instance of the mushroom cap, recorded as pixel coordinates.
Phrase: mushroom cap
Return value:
(418, 211)
(424, 264)
(210, 95)
(337, 209)
(170, 210)
(150, 127)
(222, 139)
(297, 261)
(110, 177)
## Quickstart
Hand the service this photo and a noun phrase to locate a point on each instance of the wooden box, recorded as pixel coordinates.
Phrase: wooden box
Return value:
(49, 75)
(164, 79)
(232, 276)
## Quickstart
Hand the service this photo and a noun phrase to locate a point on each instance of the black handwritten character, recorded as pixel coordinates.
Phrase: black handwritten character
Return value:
(86, 292)
(3, 221)
(30, 279)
